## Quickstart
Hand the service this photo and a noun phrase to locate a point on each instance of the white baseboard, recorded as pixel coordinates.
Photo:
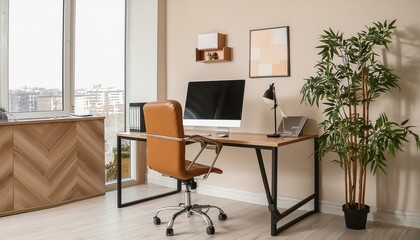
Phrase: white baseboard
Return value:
(397, 217)
(158, 179)
(403, 218)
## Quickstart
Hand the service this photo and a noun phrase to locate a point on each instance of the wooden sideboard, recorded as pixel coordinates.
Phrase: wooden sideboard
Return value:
(49, 162)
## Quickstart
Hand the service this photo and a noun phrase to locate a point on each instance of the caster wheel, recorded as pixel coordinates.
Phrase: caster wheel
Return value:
(210, 230)
(169, 232)
(222, 216)
(156, 220)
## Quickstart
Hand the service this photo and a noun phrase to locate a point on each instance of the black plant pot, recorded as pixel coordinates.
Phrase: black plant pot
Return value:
(355, 218)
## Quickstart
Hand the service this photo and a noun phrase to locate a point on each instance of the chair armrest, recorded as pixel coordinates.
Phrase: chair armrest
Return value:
(205, 141)
(165, 137)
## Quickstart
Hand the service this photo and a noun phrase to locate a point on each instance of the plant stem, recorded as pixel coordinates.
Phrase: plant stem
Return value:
(361, 163)
(354, 145)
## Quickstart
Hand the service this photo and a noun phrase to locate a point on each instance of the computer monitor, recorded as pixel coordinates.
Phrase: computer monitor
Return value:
(216, 103)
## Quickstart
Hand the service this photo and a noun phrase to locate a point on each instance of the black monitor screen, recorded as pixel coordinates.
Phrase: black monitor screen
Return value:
(218, 100)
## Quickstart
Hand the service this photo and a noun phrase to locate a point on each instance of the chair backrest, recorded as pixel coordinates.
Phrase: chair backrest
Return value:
(166, 156)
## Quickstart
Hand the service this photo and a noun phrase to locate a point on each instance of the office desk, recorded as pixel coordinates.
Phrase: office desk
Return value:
(258, 142)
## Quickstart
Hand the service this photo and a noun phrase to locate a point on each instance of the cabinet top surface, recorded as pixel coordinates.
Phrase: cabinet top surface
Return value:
(48, 120)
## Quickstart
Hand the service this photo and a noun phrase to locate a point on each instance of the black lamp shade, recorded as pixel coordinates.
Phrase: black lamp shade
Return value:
(268, 96)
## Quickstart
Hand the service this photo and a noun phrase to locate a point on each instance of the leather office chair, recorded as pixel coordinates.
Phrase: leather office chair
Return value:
(166, 154)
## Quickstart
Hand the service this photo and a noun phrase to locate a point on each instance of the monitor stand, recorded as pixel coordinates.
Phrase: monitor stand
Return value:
(209, 131)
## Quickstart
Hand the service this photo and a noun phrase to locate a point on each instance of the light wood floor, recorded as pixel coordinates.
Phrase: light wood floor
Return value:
(99, 218)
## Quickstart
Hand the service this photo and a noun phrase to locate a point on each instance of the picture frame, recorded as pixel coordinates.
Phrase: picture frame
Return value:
(269, 52)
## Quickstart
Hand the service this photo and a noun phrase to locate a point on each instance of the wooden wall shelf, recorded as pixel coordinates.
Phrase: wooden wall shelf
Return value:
(210, 44)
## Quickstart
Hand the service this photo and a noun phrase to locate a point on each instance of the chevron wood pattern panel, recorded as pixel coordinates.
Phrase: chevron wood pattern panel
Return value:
(6, 169)
(56, 163)
(90, 157)
(45, 164)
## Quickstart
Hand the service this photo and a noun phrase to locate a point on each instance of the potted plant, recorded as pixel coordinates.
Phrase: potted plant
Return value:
(3, 116)
(349, 79)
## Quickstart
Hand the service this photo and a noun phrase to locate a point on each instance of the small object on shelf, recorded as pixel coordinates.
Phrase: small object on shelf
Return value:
(224, 54)
(212, 48)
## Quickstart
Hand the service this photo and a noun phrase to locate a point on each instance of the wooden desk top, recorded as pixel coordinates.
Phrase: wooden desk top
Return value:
(243, 139)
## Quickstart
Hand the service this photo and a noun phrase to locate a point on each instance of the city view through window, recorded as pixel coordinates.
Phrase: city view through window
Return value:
(108, 102)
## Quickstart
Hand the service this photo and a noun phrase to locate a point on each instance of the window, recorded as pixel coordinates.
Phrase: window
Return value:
(99, 70)
(35, 59)
(46, 46)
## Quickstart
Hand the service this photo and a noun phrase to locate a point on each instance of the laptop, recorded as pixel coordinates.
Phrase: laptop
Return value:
(292, 126)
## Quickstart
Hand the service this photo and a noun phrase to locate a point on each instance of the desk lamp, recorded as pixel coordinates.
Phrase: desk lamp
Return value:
(270, 97)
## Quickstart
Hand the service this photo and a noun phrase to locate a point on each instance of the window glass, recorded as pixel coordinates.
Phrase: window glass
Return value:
(99, 71)
(35, 57)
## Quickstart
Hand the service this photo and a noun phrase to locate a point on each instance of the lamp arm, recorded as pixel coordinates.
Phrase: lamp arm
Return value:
(275, 110)
(276, 105)
(275, 120)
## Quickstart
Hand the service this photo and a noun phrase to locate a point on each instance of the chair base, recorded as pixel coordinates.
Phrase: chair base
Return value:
(189, 209)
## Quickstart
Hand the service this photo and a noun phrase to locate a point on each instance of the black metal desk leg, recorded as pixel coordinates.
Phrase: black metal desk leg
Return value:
(274, 212)
(119, 188)
(120, 204)
(316, 175)
(264, 179)
(271, 197)
(276, 215)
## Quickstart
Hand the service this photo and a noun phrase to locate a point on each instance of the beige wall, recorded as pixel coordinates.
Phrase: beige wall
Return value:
(146, 51)
(399, 190)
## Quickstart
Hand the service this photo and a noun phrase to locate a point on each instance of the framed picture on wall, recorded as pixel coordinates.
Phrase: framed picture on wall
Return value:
(269, 54)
